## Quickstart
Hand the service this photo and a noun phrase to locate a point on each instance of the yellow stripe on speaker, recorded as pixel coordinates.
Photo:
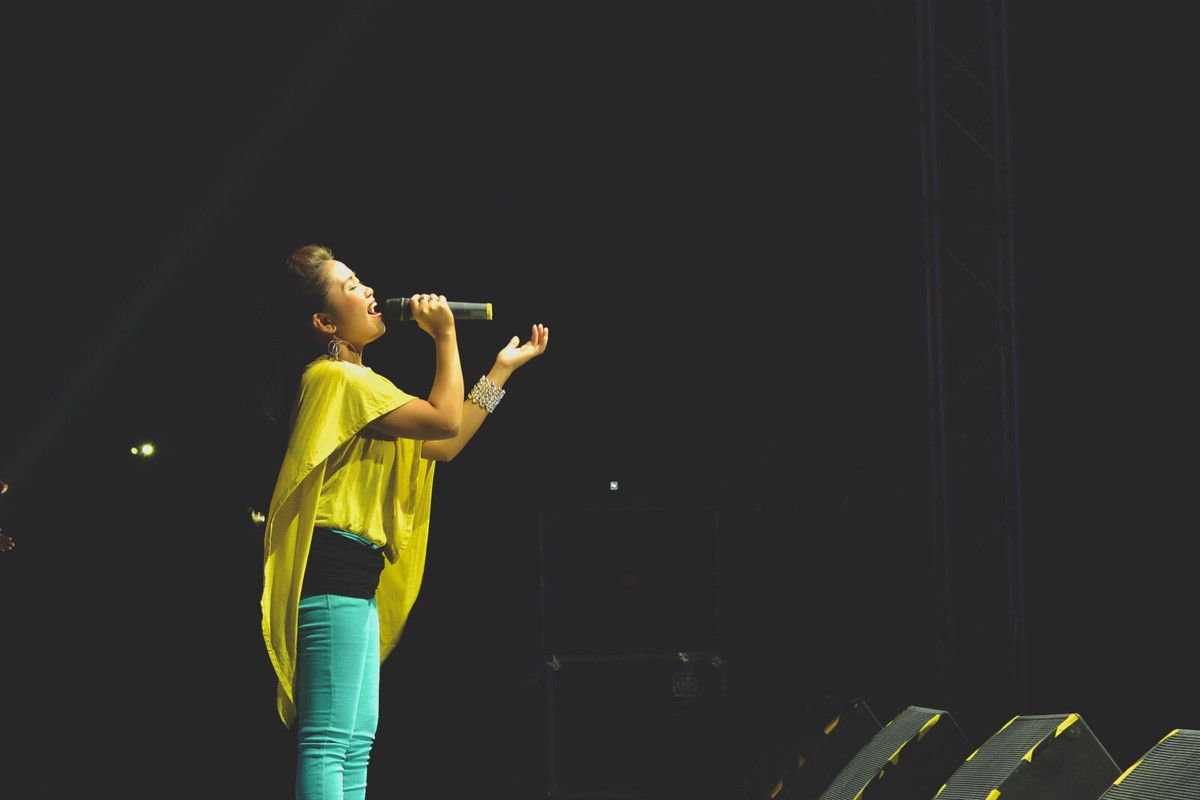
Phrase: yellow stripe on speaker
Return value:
(993, 794)
(829, 728)
(1123, 775)
(925, 728)
(1169, 735)
(1066, 723)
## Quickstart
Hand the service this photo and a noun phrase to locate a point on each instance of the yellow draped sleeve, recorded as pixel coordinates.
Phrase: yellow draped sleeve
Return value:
(336, 400)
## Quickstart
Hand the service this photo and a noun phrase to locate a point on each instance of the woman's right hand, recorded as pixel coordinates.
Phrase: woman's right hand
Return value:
(432, 313)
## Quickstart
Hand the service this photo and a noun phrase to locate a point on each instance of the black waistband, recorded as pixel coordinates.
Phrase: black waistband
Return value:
(340, 565)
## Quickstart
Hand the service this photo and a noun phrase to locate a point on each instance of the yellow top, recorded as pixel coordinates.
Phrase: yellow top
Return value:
(338, 473)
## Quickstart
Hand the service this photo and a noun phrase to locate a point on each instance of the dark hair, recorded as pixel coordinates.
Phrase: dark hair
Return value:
(281, 342)
(309, 285)
(285, 328)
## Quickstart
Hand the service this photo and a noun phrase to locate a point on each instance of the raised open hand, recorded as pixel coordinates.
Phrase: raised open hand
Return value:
(514, 355)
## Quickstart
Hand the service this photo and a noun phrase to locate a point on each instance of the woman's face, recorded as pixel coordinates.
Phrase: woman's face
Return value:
(353, 315)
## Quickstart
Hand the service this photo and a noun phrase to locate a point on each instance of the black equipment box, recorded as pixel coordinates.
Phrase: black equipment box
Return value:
(636, 726)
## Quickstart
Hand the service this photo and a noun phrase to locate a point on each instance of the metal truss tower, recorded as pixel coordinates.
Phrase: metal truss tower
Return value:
(974, 432)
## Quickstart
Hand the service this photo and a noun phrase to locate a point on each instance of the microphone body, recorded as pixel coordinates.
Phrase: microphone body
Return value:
(398, 308)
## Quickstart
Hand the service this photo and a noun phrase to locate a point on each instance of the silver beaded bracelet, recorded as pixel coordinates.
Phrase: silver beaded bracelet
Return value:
(486, 394)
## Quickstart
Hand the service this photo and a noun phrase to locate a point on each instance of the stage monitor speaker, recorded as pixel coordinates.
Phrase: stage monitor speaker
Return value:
(1169, 771)
(1041, 757)
(908, 759)
(818, 743)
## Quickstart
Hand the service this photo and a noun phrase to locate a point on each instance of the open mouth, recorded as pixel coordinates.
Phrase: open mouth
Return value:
(373, 311)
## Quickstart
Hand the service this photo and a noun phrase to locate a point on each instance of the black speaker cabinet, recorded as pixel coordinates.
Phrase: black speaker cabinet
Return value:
(629, 580)
(823, 738)
(637, 726)
(907, 760)
(1168, 771)
(1044, 757)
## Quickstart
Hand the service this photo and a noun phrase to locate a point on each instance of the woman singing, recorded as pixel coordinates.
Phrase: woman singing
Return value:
(348, 521)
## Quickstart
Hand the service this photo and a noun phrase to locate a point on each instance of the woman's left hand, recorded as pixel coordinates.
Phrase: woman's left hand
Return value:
(514, 355)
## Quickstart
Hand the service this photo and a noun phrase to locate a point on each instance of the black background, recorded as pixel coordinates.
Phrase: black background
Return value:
(715, 209)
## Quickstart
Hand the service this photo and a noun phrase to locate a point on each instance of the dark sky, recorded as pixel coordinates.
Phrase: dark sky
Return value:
(716, 210)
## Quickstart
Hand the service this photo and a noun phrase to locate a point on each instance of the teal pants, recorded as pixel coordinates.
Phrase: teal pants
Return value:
(337, 696)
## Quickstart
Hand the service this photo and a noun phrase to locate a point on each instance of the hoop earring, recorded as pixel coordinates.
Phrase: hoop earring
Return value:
(335, 351)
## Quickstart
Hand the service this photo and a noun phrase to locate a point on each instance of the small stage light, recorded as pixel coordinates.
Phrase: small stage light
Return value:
(612, 486)
(145, 450)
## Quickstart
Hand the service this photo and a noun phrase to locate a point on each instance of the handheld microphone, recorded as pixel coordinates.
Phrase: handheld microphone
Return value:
(399, 308)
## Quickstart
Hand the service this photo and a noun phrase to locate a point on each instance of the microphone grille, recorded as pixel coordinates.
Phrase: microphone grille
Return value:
(397, 308)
